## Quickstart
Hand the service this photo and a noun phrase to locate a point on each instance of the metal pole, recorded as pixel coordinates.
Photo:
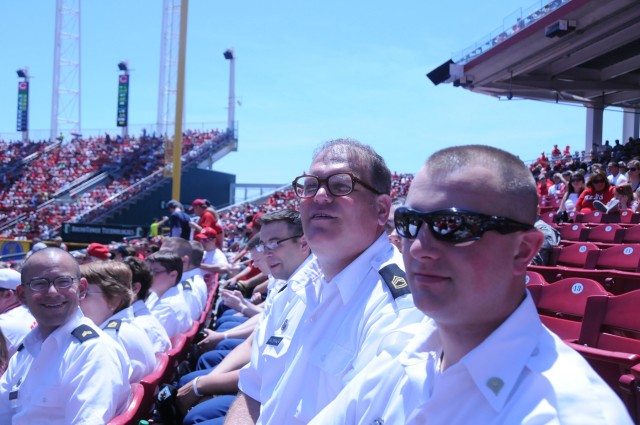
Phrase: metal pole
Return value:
(177, 145)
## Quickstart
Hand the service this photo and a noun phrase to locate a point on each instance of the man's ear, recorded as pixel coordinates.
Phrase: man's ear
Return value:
(82, 288)
(20, 293)
(136, 286)
(383, 205)
(529, 245)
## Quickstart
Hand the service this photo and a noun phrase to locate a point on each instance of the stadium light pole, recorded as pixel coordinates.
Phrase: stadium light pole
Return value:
(123, 98)
(23, 114)
(177, 135)
(229, 55)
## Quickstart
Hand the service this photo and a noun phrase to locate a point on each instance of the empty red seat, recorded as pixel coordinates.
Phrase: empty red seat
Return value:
(620, 257)
(608, 233)
(574, 232)
(561, 304)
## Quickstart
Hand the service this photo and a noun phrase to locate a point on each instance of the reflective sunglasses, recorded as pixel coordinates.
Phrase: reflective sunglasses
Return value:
(339, 184)
(41, 284)
(453, 225)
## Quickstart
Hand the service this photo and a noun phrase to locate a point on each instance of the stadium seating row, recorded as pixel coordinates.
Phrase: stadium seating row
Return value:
(144, 394)
(603, 328)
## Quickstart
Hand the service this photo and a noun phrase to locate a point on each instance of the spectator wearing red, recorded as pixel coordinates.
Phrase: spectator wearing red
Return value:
(97, 252)
(598, 189)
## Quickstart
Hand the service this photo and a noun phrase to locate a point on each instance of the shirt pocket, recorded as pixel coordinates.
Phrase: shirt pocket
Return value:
(333, 358)
(52, 399)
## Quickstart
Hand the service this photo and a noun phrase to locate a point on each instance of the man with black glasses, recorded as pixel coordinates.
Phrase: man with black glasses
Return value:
(484, 357)
(66, 371)
(333, 328)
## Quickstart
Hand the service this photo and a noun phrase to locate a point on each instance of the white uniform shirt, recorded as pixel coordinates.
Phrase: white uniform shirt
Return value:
(617, 180)
(16, 324)
(198, 286)
(521, 374)
(146, 321)
(62, 381)
(215, 258)
(134, 341)
(259, 377)
(338, 333)
(171, 310)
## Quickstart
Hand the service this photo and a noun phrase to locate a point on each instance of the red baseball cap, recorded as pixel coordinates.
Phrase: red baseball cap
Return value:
(206, 233)
(99, 251)
(198, 203)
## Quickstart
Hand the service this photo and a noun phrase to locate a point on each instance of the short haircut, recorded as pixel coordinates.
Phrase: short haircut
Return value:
(197, 252)
(517, 188)
(140, 273)
(52, 251)
(113, 278)
(178, 245)
(169, 261)
(287, 215)
(361, 158)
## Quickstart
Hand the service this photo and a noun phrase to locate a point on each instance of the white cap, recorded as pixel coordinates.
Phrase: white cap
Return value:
(9, 279)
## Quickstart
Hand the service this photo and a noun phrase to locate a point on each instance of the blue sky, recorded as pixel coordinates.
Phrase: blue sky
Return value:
(306, 72)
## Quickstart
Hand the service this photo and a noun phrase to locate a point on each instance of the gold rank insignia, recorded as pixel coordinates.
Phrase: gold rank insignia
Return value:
(84, 333)
(395, 278)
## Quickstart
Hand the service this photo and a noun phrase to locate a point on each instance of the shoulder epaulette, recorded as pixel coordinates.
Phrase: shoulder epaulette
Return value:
(187, 285)
(84, 333)
(20, 347)
(396, 280)
(113, 325)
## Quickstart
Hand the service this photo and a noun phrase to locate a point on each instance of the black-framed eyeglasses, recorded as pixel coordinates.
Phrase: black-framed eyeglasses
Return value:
(339, 184)
(40, 284)
(262, 246)
(453, 225)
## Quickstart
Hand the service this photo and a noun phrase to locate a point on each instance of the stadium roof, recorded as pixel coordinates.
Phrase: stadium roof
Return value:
(578, 51)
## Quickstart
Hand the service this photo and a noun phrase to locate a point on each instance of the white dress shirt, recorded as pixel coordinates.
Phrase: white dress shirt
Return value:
(134, 341)
(171, 310)
(146, 321)
(521, 374)
(65, 380)
(340, 325)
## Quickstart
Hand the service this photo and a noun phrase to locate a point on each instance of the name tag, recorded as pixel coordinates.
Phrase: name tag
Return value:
(274, 340)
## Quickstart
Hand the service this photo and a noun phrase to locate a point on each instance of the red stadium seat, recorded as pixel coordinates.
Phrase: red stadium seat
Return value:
(152, 381)
(629, 217)
(563, 259)
(133, 414)
(574, 232)
(620, 257)
(612, 323)
(631, 234)
(548, 217)
(608, 233)
(592, 217)
(561, 305)
(534, 278)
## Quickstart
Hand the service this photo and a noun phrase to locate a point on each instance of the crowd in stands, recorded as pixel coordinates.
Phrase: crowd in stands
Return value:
(31, 195)
(170, 280)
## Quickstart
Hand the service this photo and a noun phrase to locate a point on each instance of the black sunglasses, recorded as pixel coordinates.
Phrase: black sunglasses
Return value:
(598, 181)
(632, 169)
(453, 225)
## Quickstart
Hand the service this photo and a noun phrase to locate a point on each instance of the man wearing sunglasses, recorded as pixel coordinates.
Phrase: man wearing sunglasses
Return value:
(359, 298)
(484, 357)
(66, 371)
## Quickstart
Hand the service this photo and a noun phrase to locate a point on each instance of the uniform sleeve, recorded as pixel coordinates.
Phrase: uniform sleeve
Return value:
(5, 389)
(250, 380)
(97, 374)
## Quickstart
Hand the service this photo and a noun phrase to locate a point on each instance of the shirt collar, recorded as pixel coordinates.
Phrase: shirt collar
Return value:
(349, 280)
(511, 347)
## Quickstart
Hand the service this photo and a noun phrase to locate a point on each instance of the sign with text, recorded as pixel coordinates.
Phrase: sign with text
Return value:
(22, 123)
(123, 100)
(103, 233)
